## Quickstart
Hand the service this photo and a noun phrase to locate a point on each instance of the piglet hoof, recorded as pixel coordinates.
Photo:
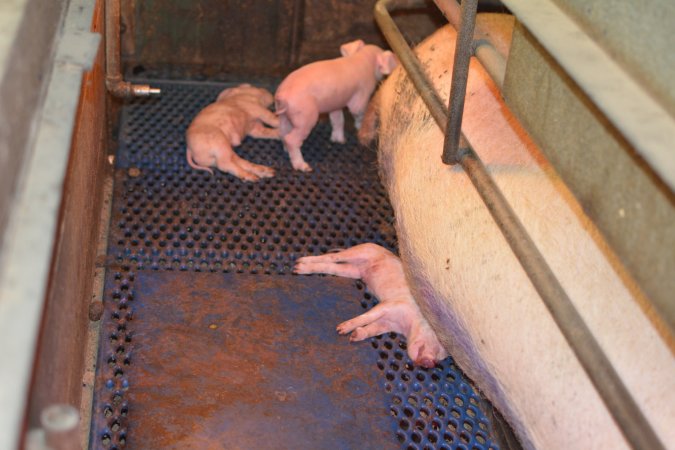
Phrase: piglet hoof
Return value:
(263, 171)
(302, 167)
(248, 176)
(427, 363)
(341, 329)
(340, 139)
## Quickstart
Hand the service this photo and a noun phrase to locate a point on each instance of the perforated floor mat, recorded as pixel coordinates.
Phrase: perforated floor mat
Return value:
(256, 360)
(175, 221)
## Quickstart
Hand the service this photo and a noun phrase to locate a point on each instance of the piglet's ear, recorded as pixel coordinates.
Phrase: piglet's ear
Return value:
(386, 62)
(225, 94)
(351, 47)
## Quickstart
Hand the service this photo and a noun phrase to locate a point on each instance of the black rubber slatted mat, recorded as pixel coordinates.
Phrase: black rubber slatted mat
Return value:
(169, 222)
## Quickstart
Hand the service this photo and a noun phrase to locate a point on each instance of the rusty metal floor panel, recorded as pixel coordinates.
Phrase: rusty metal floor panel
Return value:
(169, 223)
(253, 358)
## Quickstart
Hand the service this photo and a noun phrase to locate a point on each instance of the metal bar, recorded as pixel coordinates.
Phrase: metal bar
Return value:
(407, 58)
(614, 394)
(599, 369)
(460, 74)
(113, 66)
(489, 57)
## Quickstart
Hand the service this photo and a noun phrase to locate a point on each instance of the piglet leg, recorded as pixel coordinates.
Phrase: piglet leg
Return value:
(397, 311)
(265, 116)
(337, 122)
(228, 161)
(293, 143)
(259, 131)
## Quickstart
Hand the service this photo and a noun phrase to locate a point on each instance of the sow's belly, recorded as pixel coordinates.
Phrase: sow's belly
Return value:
(473, 290)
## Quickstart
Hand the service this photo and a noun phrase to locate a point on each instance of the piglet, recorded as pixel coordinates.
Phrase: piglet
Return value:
(397, 311)
(327, 87)
(236, 113)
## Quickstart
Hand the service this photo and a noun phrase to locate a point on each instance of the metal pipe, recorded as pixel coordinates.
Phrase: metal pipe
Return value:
(614, 394)
(460, 75)
(407, 57)
(493, 61)
(113, 67)
(489, 57)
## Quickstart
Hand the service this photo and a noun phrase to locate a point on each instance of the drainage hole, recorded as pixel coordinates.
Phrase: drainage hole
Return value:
(468, 426)
(419, 425)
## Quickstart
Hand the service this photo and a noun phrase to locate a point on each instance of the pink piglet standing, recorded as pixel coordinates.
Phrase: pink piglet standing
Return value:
(327, 87)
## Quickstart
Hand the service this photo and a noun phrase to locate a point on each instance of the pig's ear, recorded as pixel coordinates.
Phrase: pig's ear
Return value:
(386, 62)
(351, 47)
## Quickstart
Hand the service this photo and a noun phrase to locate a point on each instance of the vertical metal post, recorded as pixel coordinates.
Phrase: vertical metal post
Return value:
(460, 74)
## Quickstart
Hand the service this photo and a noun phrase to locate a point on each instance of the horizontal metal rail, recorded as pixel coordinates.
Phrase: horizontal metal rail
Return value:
(616, 397)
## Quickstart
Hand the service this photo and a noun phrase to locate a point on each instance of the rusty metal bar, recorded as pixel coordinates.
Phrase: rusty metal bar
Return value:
(113, 67)
(620, 404)
(460, 74)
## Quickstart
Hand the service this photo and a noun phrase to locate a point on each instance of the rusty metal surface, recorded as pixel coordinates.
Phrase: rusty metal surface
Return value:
(243, 361)
(211, 39)
(205, 38)
(170, 222)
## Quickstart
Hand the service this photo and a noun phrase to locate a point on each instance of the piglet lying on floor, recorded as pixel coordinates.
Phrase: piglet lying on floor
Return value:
(236, 113)
(397, 311)
(328, 87)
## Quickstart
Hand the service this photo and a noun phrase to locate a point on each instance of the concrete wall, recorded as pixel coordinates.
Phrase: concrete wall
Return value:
(60, 356)
(628, 202)
(50, 199)
(638, 35)
(27, 29)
